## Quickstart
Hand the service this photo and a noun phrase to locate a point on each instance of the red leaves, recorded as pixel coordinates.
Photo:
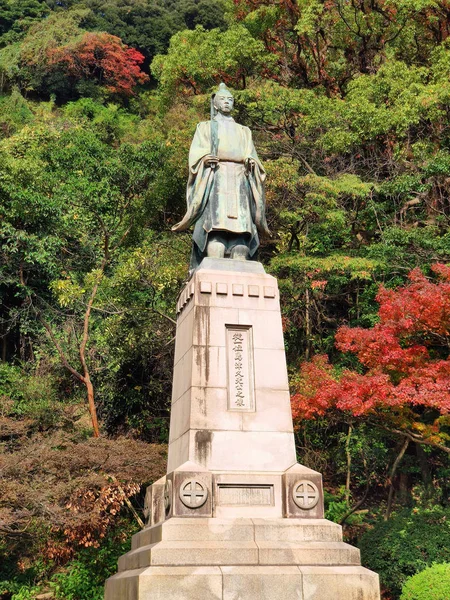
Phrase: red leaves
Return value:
(405, 357)
(100, 57)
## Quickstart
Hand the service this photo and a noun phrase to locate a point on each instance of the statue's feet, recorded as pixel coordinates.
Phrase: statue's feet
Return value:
(215, 249)
(240, 252)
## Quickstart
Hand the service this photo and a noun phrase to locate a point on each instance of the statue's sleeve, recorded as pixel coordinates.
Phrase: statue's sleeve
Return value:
(256, 180)
(201, 144)
(200, 177)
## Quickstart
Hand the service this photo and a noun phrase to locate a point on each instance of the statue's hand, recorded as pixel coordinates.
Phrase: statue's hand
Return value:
(249, 166)
(211, 161)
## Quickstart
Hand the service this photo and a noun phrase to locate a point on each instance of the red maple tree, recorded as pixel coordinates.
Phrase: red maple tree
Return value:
(100, 57)
(404, 385)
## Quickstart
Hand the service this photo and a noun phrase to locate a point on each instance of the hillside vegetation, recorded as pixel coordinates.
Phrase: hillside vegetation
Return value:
(349, 102)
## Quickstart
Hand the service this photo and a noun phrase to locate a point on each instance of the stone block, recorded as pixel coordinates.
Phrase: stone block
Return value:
(307, 553)
(123, 586)
(166, 583)
(182, 376)
(296, 530)
(178, 452)
(184, 335)
(260, 291)
(262, 583)
(273, 411)
(242, 450)
(180, 583)
(339, 583)
(210, 324)
(270, 369)
(209, 410)
(196, 530)
(180, 412)
(208, 367)
(303, 493)
(248, 495)
(205, 553)
(233, 266)
(267, 328)
(154, 502)
(191, 494)
(190, 553)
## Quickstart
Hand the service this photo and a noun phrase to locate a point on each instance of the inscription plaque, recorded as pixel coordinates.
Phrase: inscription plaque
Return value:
(234, 494)
(241, 386)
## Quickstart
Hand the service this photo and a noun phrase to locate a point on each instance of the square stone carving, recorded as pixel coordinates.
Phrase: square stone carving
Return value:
(191, 494)
(269, 291)
(303, 495)
(205, 287)
(221, 289)
(253, 291)
(238, 289)
(241, 376)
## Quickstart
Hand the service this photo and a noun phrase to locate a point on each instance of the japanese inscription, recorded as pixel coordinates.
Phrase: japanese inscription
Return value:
(241, 393)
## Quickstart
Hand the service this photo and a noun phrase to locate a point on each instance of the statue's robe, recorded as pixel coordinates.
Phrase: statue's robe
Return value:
(224, 198)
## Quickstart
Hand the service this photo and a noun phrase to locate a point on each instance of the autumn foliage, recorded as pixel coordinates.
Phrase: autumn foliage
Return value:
(100, 57)
(404, 378)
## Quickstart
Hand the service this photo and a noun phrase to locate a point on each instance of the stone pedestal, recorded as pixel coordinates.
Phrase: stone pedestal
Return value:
(235, 517)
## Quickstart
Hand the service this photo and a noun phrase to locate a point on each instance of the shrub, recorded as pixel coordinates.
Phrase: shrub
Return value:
(84, 577)
(406, 544)
(432, 583)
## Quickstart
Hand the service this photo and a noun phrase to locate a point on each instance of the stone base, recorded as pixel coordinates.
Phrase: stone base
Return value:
(242, 559)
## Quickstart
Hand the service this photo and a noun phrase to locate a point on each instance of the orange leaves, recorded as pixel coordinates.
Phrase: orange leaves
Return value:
(99, 508)
(99, 57)
(405, 357)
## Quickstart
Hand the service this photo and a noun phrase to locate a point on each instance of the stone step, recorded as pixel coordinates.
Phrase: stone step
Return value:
(239, 530)
(190, 553)
(250, 582)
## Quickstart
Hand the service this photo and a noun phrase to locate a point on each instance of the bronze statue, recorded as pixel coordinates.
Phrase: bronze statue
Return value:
(225, 189)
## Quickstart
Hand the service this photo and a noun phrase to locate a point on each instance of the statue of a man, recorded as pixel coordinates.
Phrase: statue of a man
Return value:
(225, 190)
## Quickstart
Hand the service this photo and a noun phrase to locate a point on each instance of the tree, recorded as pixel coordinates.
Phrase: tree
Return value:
(59, 57)
(98, 57)
(401, 382)
(69, 203)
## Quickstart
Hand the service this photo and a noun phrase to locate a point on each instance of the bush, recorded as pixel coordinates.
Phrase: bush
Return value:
(84, 578)
(406, 544)
(432, 583)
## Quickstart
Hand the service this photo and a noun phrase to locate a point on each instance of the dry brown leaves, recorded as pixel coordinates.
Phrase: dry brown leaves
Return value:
(74, 489)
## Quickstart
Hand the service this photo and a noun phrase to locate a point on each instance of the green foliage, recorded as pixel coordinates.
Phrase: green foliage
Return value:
(149, 25)
(349, 109)
(406, 544)
(16, 17)
(433, 583)
(28, 395)
(84, 577)
(199, 58)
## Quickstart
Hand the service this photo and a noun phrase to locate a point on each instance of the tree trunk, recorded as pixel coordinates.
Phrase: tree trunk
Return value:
(308, 326)
(397, 461)
(91, 402)
(424, 466)
(349, 463)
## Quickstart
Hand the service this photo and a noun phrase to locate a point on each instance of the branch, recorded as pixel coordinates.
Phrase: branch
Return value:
(58, 347)
(413, 437)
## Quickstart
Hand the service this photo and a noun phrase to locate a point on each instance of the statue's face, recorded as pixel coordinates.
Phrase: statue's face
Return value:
(224, 103)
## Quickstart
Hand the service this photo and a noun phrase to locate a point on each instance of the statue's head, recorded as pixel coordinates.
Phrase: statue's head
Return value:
(222, 100)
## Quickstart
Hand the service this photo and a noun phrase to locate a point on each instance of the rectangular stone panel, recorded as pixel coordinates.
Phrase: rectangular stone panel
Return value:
(233, 494)
(241, 378)
(262, 583)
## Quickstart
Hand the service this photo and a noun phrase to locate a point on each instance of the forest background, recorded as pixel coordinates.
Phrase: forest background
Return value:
(349, 102)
